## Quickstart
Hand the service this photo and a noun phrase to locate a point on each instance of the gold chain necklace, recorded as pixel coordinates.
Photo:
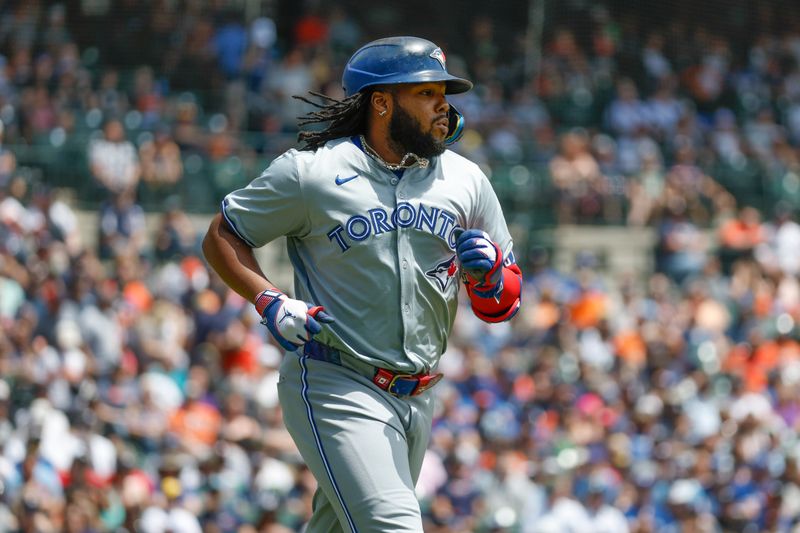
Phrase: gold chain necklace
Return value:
(417, 160)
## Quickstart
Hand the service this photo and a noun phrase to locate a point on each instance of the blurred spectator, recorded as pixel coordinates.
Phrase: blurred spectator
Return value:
(646, 189)
(147, 98)
(681, 249)
(603, 515)
(616, 183)
(781, 248)
(194, 60)
(664, 110)
(19, 25)
(705, 80)
(197, 423)
(121, 226)
(577, 179)
(656, 65)
(230, 44)
(113, 101)
(703, 198)
(55, 34)
(311, 29)
(739, 236)
(41, 113)
(292, 76)
(344, 32)
(162, 24)
(187, 133)
(171, 514)
(725, 138)
(8, 161)
(763, 133)
(627, 114)
(160, 160)
(176, 237)
(113, 160)
(257, 61)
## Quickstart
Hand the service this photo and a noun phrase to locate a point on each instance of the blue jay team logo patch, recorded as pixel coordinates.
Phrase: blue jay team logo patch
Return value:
(438, 55)
(443, 272)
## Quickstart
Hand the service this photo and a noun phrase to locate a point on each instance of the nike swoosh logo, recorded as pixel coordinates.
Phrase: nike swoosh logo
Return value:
(342, 181)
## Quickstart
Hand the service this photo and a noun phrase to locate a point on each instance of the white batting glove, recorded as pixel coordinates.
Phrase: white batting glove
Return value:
(292, 322)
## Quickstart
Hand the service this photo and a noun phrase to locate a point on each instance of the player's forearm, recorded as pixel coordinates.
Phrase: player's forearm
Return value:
(233, 260)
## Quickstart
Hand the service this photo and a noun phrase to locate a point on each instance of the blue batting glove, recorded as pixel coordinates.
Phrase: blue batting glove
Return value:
(292, 322)
(482, 260)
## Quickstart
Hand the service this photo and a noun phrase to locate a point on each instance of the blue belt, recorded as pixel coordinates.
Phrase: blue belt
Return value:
(400, 385)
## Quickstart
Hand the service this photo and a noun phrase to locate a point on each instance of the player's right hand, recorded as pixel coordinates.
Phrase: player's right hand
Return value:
(292, 322)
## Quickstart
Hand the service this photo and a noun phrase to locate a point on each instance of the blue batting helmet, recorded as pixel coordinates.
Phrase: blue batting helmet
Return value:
(399, 60)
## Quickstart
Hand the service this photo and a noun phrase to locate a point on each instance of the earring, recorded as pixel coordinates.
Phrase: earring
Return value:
(382, 112)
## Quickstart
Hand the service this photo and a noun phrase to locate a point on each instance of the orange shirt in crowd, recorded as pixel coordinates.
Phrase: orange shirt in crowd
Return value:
(767, 356)
(630, 347)
(242, 358)
(741, 235)
(196, 422)
(544, 315)
(588, 310)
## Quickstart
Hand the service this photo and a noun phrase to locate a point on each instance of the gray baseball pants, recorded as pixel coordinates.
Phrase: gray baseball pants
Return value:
(363, 445)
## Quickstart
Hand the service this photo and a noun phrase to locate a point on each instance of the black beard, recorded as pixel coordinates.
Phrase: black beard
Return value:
(406, 135)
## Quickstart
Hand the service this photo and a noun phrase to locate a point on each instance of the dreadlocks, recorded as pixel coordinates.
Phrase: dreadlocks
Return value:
(345, 117)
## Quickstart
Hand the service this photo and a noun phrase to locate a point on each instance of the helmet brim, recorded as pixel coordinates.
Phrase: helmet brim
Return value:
(453, 84)
(457, 86)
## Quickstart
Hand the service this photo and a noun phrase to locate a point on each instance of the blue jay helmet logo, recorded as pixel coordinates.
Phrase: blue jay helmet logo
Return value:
(443, 272)
(438, 55)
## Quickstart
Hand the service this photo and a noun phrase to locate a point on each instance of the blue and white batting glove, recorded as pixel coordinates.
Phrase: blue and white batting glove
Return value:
(292, 322)
(482, 260)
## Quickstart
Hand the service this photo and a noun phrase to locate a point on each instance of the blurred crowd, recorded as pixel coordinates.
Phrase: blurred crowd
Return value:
(137, 393)
(617, 114)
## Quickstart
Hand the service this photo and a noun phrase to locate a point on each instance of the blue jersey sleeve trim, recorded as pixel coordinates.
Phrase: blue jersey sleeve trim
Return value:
(233, 226)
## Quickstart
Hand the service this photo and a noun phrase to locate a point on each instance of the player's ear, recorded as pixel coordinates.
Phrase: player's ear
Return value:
(381, 102)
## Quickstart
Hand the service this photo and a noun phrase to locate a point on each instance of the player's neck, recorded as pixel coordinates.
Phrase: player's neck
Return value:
(379, 143)
(379, 147)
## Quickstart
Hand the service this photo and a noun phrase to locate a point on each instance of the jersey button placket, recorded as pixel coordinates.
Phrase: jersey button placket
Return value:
(400, 190)
(406, 274)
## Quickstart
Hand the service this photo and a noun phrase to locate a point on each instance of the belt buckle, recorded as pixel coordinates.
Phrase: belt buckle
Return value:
(391, 387)
(388, 381)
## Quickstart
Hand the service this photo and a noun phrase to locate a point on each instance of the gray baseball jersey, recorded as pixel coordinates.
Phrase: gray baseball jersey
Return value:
(376, 250)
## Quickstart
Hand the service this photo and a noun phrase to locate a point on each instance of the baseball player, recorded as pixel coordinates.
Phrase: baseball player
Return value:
(382, 221)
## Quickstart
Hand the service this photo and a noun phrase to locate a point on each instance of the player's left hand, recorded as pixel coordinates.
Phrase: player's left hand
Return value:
(292, 322)
(482, 261)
